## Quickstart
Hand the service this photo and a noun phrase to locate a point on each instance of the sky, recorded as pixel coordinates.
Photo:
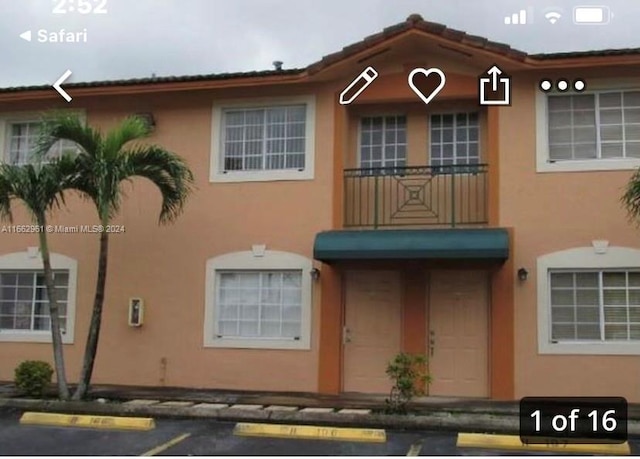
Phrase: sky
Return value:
(139, 38)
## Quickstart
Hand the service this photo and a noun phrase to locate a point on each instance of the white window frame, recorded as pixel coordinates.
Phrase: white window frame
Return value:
(454, 113)
(270, 260)
(384, 115)
(7, 119)
(580, 259)
(31, 260)
(543, 163)
(216, 170)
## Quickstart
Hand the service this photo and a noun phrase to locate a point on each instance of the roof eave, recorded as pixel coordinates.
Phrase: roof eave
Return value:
(572, 62)
(110, 88)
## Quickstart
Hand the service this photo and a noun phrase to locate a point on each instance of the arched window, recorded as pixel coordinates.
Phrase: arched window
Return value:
(258, 300)
(589, 301)
(24, 303)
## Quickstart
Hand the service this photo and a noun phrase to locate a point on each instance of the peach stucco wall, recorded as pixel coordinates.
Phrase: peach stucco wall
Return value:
(166, 266)
(552, 212)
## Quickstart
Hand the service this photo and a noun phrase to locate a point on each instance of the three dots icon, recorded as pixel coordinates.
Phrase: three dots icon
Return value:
(563, 85)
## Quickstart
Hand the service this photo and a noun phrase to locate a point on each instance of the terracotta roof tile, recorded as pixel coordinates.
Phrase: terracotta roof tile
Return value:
(396, 28)
(431, 27)
(415, 21)
(160, 80)
(452, 34)
(597, 53)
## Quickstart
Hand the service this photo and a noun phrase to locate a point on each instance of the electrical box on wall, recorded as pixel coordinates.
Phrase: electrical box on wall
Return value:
(136, 312)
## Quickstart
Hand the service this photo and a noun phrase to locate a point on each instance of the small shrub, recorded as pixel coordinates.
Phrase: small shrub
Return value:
(408, 373)
(32, 377)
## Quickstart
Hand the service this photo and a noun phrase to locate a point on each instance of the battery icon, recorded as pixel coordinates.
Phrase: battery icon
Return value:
(591, 15)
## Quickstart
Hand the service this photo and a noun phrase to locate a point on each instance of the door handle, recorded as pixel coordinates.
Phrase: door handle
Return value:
(346, 335)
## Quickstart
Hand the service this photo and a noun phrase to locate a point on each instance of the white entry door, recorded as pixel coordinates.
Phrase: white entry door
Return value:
(372, 331)
(458, 333)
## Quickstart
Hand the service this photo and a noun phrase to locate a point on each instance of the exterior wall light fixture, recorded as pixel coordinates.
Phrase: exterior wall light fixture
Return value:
(315, 274)
(148, 118)
(523, 274)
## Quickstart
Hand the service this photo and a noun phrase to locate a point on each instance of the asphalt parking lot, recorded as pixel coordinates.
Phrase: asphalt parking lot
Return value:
(205, 437)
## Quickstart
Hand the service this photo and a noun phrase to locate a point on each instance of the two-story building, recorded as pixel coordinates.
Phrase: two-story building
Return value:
(322, 239)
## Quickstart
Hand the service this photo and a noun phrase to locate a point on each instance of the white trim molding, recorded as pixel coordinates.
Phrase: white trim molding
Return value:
(249, 261)
(27, 261)
(216, 173)
(577, 259)
(455, 112)
(543, 164)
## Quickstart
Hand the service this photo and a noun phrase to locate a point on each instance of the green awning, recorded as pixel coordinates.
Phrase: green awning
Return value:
(479, 244)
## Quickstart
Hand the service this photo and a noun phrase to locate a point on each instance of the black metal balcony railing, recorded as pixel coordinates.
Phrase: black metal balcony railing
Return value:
(416, 196)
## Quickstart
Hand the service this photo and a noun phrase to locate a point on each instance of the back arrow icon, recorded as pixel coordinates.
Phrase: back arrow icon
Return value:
(57, 87)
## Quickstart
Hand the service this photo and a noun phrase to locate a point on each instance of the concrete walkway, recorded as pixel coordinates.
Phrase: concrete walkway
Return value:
(430, 413)
(299, 399)
(310, 399)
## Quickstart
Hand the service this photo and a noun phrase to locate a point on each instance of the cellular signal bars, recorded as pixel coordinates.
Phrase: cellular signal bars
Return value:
(516, 18)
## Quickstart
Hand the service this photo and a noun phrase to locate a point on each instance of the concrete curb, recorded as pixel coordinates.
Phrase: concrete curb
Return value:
(435, 421)
(438, 420)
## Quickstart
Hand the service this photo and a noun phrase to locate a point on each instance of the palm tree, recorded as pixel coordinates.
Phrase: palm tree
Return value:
(631, 197)
(104, 162)
(41, 188)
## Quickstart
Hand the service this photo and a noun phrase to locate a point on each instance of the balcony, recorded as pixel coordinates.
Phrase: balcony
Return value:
(416, 196)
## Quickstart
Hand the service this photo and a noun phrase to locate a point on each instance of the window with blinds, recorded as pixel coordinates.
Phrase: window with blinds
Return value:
(601, 125)
(595, 305)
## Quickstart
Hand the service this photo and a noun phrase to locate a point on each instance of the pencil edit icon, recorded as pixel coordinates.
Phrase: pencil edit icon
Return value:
(359, 84)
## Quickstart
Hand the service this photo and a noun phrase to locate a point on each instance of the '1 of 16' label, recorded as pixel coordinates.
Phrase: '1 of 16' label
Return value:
(573, 419)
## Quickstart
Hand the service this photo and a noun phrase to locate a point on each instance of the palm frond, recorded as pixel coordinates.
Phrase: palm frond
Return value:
(166, 170)
(6, 191)
(40, 187)
(631, 197)
(130, 129)
(67, 126)
(97, 172)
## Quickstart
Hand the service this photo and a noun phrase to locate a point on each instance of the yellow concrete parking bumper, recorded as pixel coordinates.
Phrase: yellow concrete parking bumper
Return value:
(310, 432)
(513, 443)
(95, 422)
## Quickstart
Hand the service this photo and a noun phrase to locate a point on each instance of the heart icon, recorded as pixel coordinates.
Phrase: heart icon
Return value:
(427, 83)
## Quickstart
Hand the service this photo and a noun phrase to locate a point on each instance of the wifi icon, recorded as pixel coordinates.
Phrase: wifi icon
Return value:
(553, 16)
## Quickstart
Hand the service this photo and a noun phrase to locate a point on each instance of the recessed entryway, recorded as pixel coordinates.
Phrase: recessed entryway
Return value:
(458, 333)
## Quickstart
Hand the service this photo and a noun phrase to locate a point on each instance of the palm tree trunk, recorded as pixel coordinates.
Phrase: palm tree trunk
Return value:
(56, 334)
(91, 347)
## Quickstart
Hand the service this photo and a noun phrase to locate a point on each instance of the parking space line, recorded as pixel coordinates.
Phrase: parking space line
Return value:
(310, 432)
(165, 446)
(513, 442)
(95, 422)
(415, 449)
